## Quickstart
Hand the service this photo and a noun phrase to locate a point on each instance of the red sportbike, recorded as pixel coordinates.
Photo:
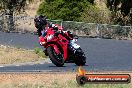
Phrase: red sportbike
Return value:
(60, 50)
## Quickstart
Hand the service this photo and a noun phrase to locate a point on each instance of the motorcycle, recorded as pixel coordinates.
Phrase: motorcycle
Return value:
(60, 50)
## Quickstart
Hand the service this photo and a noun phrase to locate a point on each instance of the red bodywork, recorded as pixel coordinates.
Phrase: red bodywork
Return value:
(59, 43)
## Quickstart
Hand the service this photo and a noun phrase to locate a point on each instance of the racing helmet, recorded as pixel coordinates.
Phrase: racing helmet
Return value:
(40, 21)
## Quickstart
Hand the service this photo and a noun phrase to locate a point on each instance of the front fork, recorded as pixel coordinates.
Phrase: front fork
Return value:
(57, 51)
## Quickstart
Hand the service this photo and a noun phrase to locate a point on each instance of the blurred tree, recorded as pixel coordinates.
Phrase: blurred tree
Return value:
(121, 11)
(11, 6)
(92, 14)
(64, 9)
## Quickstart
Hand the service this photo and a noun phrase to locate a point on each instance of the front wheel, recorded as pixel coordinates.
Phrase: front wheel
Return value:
(80, 58)
(56, 59)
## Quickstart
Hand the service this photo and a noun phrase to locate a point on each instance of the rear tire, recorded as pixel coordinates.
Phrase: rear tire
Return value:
(80, 58)
(56, 59)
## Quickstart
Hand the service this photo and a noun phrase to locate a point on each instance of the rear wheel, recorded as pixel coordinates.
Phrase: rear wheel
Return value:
(80, 58)
(56, 59)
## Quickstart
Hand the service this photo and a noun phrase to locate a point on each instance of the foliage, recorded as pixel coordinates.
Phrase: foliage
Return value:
(85, 10)
(64, 9)
(14, 5)
(92, 14)
(121, 11)
(39, 52)
(9, 7)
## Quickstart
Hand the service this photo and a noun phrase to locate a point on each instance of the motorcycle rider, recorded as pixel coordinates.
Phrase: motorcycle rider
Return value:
(45, 30)
(40, 23)
(43, 25)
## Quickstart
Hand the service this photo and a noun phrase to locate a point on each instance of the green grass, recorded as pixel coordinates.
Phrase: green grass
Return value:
(69, 84)
(39, 52)
(10, 55)
(73, 84)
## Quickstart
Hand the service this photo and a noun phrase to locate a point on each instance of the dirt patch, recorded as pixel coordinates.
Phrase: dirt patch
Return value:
(46, 79)
(10, 55)
(33, 80)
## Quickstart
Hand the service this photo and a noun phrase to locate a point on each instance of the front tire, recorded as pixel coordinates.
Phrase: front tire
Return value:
(56, 59)
(80, 58)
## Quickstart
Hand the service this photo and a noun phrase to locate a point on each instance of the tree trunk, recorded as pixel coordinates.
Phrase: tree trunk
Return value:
(1, 21)
(8, 21)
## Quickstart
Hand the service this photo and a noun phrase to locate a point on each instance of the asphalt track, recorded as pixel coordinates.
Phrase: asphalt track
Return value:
(102, 54)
